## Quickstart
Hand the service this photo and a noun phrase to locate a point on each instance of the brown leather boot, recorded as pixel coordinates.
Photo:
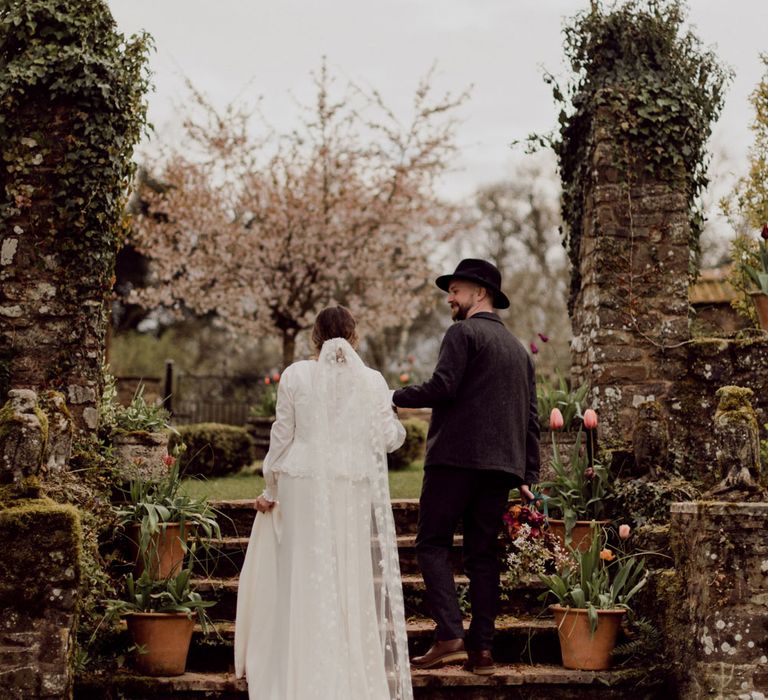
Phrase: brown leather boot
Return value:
(480, 663)
(445, 652)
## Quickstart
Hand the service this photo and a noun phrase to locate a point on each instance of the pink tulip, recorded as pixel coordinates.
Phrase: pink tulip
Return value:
(764, 232)
(544, 338)
(276, 377)
(556, 419)
(624, 531)
(534, 348)
(590, 419)
(168, 460)
(267, 380)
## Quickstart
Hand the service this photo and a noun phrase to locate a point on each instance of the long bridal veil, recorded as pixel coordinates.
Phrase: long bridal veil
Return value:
(350, 400)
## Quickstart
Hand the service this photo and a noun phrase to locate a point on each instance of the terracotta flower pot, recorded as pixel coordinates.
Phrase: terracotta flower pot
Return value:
(760, 301)
(581, 649)
(165, 638)
(165, 555)
(581, 535)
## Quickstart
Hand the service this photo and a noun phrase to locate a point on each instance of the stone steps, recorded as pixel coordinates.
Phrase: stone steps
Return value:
(518, 639)
(532, 682)
(227, 554)
(525, 646)
(235, 517)
(522, 600)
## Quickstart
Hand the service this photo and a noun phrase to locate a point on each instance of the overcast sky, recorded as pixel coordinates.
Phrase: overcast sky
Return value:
(250, 48)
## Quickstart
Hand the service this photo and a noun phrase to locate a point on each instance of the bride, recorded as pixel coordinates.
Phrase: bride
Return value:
(320, 602)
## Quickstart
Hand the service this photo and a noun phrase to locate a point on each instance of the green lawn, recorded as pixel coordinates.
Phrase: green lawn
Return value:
(405, 483)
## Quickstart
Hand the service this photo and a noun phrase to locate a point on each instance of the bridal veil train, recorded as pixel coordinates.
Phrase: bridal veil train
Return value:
(320, 604)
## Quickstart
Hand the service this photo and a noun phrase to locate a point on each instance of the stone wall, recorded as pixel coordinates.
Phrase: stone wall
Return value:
(39, 579)
(52, 323)
(633, 301)
(698, 370)
(631, 337)
(721, 611)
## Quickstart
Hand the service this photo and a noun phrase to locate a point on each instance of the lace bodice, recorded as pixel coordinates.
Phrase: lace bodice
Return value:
(333, 430)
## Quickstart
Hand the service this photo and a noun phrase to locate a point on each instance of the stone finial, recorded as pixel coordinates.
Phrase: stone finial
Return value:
(23, 436)
(737, 441)
(650, 440)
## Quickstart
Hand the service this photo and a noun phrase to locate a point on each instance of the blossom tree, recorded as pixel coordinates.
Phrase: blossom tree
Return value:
(263, 231)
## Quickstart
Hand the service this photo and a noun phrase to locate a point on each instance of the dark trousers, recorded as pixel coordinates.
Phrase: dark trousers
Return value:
(477, 497)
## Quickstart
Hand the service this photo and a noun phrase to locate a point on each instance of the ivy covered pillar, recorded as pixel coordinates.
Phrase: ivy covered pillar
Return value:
(632, 146)
(632, 299)
(71, 111)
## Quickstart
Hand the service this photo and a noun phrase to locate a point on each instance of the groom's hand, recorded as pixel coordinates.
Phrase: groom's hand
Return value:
(526, 494)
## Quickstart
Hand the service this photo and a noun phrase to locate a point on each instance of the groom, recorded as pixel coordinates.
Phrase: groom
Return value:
(483, 440)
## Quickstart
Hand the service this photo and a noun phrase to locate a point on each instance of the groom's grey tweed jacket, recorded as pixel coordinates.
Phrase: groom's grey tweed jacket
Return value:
(483, 400)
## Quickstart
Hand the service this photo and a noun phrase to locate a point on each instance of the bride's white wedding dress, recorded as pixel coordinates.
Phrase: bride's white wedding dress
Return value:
(320, 603)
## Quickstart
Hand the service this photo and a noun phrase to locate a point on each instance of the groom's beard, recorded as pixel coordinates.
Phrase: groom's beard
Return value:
(459, 312)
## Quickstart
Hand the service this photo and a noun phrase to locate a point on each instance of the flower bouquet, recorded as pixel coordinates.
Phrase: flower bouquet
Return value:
(530, 548)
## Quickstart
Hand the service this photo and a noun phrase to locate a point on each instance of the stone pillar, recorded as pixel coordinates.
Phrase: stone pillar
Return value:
(632, 301)
(721, 626)
(52, 314)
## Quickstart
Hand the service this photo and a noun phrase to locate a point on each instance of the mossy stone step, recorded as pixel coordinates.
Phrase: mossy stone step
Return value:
(227, 554)
(521, 600)
(518, 639)
(236, 516)
(511, 681)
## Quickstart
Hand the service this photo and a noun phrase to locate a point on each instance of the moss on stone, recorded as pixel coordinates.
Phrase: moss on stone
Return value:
(12, 494)
(43, 428)
(42, 543)
(53, 402)
(8, 418)
(734, 398)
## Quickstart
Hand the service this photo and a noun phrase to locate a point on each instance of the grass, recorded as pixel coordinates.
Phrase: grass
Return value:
(405, 483)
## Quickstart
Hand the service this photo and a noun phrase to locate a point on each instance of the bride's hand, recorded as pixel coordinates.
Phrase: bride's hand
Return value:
(263, 505)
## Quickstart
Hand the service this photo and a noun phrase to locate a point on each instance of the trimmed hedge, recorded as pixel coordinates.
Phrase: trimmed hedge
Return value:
(414, 446)
(213, 449)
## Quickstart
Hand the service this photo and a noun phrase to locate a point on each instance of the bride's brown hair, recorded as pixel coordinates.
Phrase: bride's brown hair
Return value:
(334, 322)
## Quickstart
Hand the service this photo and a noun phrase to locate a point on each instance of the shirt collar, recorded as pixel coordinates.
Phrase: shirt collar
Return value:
(489, 315)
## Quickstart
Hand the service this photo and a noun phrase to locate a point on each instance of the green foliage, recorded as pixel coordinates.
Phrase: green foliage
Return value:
(551, 395)
(413, 447)
(154, 503)
(267, 405)
(579, 489)
(647, 502)
(137, 416)
(748, 202)
(743, 253)
(758, 273)
(655, 90)
(645, 641)
(166, 595)
(72, 102)
(87, 483)
(214, 449)
(601, 578)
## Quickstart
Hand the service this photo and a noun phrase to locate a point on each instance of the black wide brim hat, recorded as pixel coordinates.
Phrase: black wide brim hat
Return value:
(481, 272)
